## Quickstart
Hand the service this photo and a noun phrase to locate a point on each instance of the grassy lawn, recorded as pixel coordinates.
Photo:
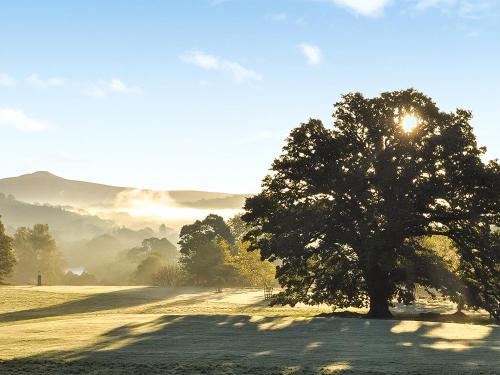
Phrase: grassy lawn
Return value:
(101, 330)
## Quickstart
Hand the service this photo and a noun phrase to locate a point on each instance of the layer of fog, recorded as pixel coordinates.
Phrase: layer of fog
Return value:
(139, 208)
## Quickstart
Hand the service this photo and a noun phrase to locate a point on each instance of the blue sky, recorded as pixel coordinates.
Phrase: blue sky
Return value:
(200, 94)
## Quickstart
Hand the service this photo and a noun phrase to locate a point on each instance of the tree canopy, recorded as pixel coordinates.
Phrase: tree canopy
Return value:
(7, 258)
(202, 256)
(210, 255)
(161, 246)
(345, 209)
(36, 251)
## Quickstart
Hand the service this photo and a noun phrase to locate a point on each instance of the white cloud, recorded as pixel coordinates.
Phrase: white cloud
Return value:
(6, 80)
(95, 91)
(371, 8)
(16, 119)
(98, 89)
(116, 85)
(472, 34)
(286, 19)
(239, 73)
(102, 89)
(279, 17)
(472, 9)
(218, 2)
(312, 53)
(36, 81)
(424, 4)
(476, 9)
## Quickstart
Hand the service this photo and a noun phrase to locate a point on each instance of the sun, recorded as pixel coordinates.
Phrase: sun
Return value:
(409, 123)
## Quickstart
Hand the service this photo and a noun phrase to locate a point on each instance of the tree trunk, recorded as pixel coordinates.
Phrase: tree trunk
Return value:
(379, 306)
(379, 290)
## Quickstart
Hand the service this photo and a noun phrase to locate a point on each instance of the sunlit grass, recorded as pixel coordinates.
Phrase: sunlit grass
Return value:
(132, 324)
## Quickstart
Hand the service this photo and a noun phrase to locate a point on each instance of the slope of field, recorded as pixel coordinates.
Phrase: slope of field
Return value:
(143, 330)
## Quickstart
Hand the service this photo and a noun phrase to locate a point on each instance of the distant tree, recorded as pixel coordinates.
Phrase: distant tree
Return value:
(444, 248)
(238, 227)
(343, 209)
(36, 251)
(162, 247)
(162, 229)
(251, 269)
(102, 246)
(169, 275)
(7, 258)
(84, 278)
(479, 271)
(145, 271)
(217, 223)
(202, 256)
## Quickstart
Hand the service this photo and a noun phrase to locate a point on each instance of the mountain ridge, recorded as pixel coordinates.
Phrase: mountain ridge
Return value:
(46, 187)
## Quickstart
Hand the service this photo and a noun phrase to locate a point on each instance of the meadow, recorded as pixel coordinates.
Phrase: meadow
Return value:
(148, 330)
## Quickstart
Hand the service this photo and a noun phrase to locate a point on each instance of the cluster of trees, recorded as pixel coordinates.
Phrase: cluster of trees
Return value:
(213, 252)
(36, 251)
(7, 257)
(152, 256)
(361, 214)
(33, 251)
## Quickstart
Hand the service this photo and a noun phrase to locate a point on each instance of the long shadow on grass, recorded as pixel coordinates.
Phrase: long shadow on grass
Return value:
(101, 302)
(242, 344)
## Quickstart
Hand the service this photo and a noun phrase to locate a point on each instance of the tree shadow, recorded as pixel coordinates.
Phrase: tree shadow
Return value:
(243, 344)
(103, 301)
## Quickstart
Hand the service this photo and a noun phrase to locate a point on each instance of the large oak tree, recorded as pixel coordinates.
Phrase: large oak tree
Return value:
(345, 209)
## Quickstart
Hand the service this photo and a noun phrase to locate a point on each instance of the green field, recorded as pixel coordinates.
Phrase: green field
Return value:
(145, 330)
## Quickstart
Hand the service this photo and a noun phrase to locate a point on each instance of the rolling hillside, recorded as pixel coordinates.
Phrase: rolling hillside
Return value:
(44, 187)
(64, 224)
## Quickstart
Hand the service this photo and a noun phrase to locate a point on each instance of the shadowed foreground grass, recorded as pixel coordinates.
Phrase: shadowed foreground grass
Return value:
(123, 330)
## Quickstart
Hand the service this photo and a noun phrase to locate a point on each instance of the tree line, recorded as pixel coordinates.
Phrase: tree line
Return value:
(212, 253)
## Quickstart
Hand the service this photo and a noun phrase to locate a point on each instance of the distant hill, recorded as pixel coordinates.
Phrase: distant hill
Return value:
(45, 187)
(64, 224)
(69, 227)
(92, 223)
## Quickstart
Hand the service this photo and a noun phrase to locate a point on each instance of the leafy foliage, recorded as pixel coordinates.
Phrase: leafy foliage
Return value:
(212, 256)
(7, 258)
(36, 251)
(163, 247)
(344, 208)
(145, 271)
(169, 275)
(84, 278)
(252, 270)
(202, 256)
(151, 256)
(238, 227)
